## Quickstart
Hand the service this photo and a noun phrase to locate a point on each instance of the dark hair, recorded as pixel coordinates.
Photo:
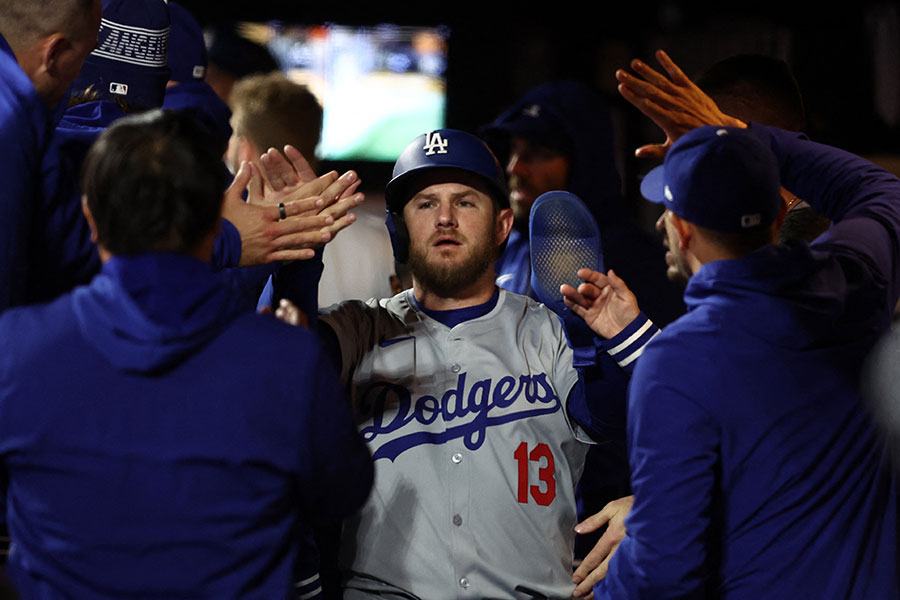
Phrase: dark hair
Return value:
(154, 183)
(803, 224)
(740, 243)
(753, 87)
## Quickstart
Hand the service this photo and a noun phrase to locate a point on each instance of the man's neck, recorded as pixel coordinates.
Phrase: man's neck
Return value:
(473, 295)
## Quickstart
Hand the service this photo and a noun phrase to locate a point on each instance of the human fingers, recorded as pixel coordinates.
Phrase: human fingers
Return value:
(352, 189)
(296, 192)
(649, 108)
(574, 299)
(288, 312)
(664, 95)
(585, 576)
(285, 228)
(595, 521)
(278, 170)
(239, 183)
(657, 151)
(300, 240)
(339, 186)
(585, 588)
(590, 292)
(304, 207)
(673, 70)
(301, 165)
(591, 276)
(343, 206)
(255, 188)
(340, 224)
(651, 75)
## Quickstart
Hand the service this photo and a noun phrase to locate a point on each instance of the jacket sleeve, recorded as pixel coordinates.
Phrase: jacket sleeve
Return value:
(861, 198)
(673, 454)
(597, 402)
(337, 464)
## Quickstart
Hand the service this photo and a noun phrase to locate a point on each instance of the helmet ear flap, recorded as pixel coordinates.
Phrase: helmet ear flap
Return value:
(396, 227)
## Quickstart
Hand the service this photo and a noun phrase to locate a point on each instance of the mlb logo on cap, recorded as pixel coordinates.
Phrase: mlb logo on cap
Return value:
(720, 178)
(118, 88)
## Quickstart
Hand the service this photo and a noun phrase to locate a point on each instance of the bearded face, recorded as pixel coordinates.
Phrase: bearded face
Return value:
(453, 236)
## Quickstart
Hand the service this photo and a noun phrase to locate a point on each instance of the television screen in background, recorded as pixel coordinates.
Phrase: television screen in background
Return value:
(380, 86)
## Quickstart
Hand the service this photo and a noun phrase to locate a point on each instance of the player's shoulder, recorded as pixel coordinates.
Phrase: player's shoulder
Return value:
(394, 306)
(38, 322)
(529, 308)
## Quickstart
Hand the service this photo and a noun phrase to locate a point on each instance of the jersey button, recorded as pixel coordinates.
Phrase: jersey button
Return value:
(457, 520)
(455, 368)
(456, 458)
(464, 583)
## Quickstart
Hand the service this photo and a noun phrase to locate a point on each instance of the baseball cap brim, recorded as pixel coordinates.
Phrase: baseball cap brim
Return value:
(653, 187)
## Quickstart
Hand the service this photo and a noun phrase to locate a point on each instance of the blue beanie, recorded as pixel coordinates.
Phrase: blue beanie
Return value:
(130, 60)
(187, 50)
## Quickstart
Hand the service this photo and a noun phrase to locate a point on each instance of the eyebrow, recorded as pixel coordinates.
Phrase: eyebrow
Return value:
(455, 196)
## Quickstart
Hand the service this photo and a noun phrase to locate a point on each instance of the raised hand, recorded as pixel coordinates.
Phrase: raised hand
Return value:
(267, 237)
(675, 103)
(603, 301)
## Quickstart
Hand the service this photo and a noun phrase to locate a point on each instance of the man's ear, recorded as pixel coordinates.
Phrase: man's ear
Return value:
(684, 229)
(90, 218)
(504, 224)
(52, 49)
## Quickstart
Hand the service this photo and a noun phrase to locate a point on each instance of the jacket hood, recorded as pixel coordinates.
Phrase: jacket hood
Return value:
(578, 123)
(781, 285)
(151, 311)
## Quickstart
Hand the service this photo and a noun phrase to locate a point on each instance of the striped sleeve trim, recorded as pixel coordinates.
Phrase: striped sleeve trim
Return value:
(628, 345)
(308, 588)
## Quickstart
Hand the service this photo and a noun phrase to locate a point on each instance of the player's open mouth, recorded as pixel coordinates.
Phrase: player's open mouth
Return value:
(447, 242)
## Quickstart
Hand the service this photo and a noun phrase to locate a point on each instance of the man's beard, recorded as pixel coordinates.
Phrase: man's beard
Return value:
(446, 280)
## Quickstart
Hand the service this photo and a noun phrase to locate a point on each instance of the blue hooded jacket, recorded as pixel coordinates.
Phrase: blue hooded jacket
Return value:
(24, 129)
(756, 469)
(158, 441)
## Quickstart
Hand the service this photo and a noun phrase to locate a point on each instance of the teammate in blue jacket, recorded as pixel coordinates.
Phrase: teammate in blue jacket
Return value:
(149, 449)
(42, 45)
(756, 470)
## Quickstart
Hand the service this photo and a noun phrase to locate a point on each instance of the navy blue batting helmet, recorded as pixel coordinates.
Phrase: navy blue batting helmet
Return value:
(447, 149)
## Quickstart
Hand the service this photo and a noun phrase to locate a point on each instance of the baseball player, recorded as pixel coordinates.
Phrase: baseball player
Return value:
(465, 395)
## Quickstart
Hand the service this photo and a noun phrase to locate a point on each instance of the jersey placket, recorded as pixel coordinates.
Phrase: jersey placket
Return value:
(462, 474)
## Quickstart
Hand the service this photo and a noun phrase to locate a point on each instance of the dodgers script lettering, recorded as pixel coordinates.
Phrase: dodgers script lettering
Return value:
(466, 411)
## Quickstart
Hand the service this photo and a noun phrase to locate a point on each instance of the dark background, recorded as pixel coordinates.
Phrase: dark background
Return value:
(846, 61)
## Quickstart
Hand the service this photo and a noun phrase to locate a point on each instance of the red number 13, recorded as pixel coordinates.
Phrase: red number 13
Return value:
(545, 474)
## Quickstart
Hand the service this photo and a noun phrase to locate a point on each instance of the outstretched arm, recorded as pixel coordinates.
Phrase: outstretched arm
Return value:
(674, 103)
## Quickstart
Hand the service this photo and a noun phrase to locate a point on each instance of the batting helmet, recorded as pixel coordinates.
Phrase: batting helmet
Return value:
(441, 149)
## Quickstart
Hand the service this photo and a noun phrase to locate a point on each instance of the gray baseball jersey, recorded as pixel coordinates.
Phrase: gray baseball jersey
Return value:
(476, 460)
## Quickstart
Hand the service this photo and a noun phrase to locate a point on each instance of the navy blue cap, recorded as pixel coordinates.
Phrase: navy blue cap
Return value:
(720, 178)
(535, 121)
(130, 60)
(187, 50)
(445, 149)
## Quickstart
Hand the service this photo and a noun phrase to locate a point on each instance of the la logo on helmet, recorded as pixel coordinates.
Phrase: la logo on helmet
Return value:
(435, 144)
